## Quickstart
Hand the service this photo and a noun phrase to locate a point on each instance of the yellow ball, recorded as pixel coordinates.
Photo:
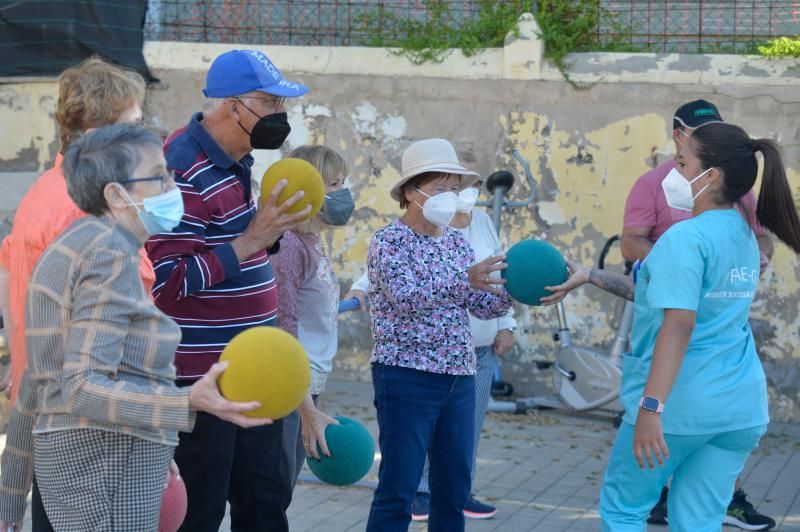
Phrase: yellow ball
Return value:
(268, 365)
(301, 175)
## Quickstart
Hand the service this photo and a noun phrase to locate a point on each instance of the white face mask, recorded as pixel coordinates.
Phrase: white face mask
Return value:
(679, 191)
(467, 199)
(439, 209)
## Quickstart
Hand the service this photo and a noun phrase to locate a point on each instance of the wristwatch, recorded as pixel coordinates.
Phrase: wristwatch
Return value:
(651, 405)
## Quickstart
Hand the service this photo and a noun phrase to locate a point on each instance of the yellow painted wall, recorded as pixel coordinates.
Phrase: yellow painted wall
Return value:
(27, 122)
(583, 177)
(586, 148)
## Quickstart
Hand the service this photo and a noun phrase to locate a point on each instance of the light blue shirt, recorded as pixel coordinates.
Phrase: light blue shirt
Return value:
(708, 264)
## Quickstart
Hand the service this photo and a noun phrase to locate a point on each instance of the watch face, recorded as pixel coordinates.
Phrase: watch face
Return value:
(648, 403)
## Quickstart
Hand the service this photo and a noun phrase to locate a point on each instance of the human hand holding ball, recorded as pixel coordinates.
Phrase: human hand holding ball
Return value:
(578, 276)
(300, 176)
(267, 366)
(313, 423)
(292, 191)
(352, 451)
(535, 269)
(204, 395)
(263, 374)
(480, 274)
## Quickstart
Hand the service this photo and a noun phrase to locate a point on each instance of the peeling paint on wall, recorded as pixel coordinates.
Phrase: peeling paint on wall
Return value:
(27, 128)
(583, 180)
(585, 148)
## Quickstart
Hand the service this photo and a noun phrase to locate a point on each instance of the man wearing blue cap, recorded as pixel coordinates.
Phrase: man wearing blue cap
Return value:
(213, 277)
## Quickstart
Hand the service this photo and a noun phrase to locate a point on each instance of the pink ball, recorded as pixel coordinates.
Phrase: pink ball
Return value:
(173, 505)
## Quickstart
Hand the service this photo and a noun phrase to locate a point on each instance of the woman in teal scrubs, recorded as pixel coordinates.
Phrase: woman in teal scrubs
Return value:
(693, 388)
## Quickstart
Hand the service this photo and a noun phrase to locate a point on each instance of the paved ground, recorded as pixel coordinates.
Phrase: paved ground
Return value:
(542, 470)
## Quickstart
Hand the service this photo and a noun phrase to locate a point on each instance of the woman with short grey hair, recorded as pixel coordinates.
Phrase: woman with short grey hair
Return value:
(98, 413)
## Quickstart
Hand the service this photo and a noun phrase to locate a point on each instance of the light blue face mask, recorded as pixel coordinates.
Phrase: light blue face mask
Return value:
(161, 213)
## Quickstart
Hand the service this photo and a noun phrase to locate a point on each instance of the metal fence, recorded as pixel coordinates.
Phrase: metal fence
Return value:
(285, 22)
(645, 25)
(697, 25)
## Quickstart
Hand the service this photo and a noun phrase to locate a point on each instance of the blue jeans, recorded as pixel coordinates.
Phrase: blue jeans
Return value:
(420, 411)
(484, 372)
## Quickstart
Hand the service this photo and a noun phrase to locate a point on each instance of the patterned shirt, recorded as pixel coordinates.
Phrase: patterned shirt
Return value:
(200, 282)
(420, 298)
(100, 353)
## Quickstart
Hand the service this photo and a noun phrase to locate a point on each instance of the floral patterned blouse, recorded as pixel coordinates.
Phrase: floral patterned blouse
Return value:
(420, 298)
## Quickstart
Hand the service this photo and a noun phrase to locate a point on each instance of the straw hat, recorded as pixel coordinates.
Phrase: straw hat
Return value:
(430, 155)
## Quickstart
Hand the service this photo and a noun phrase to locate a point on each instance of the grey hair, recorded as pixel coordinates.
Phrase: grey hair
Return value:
(212, 105)
(106, 155)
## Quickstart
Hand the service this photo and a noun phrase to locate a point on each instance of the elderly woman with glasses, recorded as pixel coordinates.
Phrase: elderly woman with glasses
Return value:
(91, 94)
(99, 413)
(423, 284)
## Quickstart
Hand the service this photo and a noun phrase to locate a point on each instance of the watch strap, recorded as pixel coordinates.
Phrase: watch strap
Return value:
(647, 402)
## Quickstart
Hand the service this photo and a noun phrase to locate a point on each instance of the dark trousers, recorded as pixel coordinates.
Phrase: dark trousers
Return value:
(39, 520)
(420, 411)
(253, 469)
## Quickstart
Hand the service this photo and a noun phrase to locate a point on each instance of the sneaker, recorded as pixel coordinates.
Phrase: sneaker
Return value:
(420, 506)
(742, 514)
(474, 509)
(658, 515)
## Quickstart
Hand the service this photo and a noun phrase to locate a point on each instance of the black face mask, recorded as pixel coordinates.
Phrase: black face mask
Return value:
(270, 131)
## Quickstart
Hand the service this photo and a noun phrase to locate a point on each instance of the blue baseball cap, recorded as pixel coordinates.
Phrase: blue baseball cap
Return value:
(241, 71)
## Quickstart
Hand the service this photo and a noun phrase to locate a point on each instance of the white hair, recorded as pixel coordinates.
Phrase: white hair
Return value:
(212, 105)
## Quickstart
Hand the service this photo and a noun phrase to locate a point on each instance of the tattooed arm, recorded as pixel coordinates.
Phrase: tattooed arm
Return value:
(613, 283)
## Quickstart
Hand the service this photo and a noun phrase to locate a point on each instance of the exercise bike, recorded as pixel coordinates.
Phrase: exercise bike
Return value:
(583, 378)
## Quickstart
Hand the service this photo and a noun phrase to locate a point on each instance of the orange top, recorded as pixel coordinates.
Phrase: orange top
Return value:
(43, 214)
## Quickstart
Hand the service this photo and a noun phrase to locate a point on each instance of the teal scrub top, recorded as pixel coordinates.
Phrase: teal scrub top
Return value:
(708, 264)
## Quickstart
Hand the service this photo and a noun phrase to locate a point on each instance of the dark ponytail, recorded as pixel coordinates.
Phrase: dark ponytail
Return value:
(776, 210)
(730, 148)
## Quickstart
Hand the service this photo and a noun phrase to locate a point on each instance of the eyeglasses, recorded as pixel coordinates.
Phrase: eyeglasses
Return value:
(274, 101)
(166, 180)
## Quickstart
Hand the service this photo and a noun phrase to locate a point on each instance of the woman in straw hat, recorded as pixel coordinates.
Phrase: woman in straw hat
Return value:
(423, 286)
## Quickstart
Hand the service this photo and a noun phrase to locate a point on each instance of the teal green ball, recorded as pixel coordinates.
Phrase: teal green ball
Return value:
(532, 265)
(352, 453)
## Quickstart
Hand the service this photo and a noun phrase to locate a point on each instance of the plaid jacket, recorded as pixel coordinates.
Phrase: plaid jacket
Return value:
(100, 353)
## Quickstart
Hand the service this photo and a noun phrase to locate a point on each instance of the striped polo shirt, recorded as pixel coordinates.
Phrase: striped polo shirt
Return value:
(199, 280)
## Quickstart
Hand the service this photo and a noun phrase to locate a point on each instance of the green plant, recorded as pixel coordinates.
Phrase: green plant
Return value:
(566, 26)
(781, 47)
(431, 39)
